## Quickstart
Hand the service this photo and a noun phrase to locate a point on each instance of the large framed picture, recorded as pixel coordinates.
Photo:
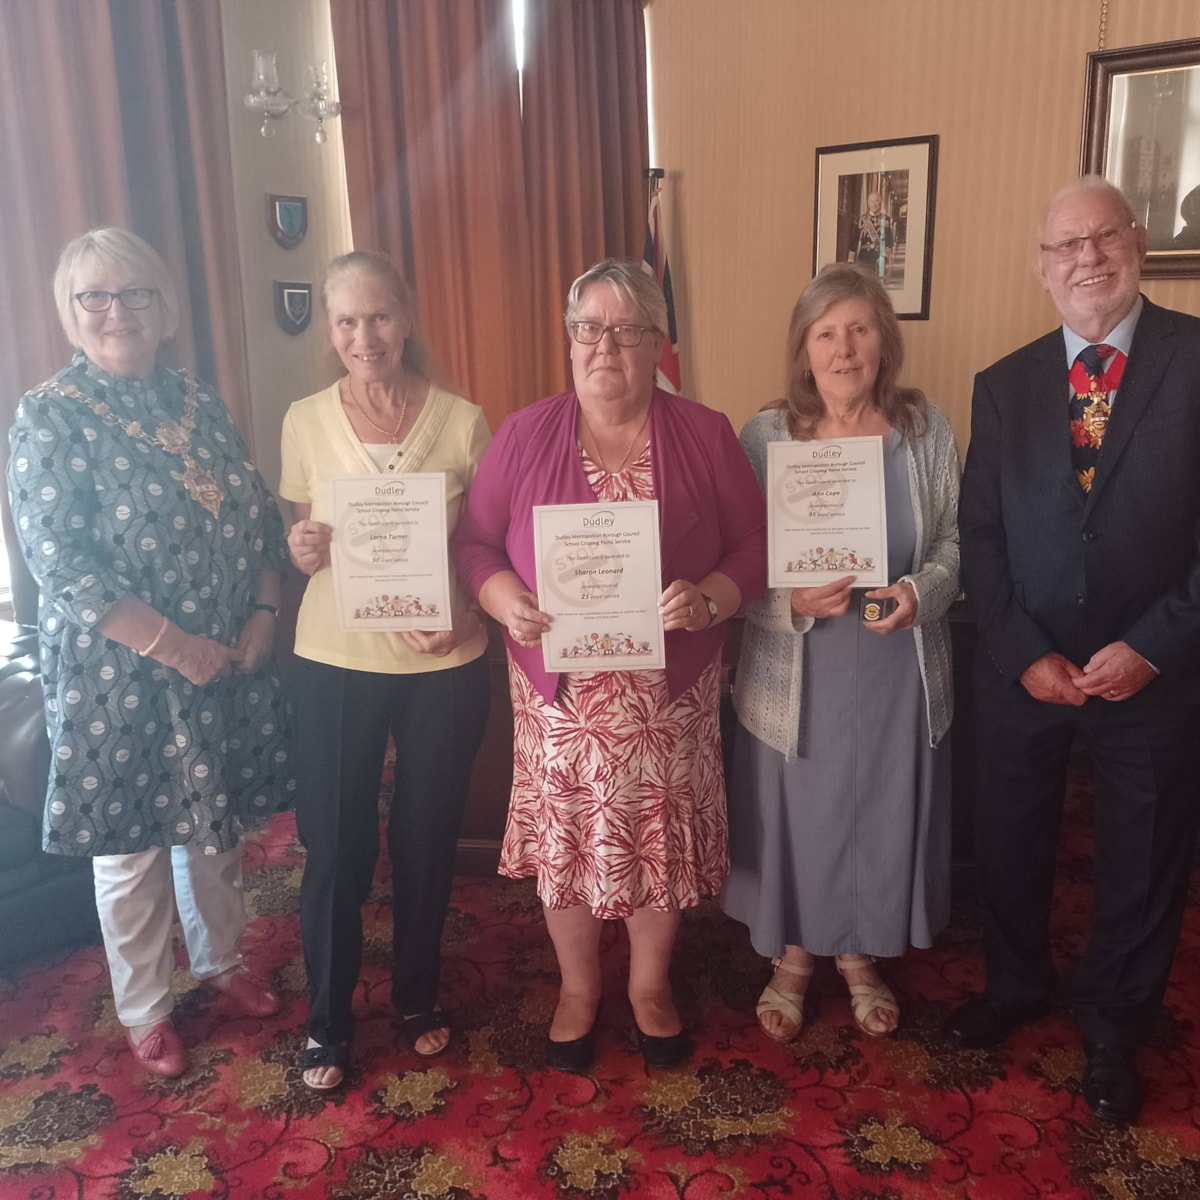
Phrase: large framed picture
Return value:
(1141, 131)
(874, 206)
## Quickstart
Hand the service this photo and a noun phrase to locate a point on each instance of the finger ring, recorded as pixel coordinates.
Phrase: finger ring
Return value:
(691, 611)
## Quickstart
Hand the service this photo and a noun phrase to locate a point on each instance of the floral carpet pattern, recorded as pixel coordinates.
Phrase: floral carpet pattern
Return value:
(833, 1115)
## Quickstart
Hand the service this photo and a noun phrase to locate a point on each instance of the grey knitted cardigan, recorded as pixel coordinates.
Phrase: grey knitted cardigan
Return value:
(766, 692)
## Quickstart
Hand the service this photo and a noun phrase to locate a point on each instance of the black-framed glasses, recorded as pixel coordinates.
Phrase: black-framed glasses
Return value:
(131, 298)
(1106, 239)
(588, 333)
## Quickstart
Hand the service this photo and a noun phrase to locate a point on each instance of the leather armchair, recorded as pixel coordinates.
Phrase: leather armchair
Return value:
(46, 900)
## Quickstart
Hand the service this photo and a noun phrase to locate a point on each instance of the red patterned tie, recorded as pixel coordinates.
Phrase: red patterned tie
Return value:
(1091, 386)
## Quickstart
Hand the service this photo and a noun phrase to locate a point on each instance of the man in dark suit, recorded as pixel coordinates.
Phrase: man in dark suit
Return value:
(1079, 525)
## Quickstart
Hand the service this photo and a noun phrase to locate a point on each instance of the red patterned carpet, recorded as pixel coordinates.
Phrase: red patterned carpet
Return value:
(834, 1115)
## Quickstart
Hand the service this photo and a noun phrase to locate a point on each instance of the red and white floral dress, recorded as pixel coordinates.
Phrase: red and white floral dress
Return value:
(618, 798)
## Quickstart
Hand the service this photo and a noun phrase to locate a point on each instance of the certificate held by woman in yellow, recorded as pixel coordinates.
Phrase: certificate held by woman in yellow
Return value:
(391, 567)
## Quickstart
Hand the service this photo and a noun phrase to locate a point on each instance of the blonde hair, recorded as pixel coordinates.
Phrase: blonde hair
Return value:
(120, 251)
(905, 408)
(415, 357)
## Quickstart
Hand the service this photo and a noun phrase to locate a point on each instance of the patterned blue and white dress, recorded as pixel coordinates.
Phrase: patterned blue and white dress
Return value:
(140, 756)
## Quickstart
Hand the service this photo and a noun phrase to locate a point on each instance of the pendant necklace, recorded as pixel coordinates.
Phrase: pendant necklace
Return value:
(600, 457)
(391, 436)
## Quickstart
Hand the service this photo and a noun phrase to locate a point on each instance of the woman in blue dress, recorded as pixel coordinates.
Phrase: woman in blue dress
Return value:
(839, 810)
(157, 549)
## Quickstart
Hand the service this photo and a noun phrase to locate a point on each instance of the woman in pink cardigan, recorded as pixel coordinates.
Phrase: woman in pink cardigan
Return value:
(618, 801)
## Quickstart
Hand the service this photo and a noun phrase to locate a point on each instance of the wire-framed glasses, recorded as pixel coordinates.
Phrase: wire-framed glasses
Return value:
(1106, 239)
(132, 298)
(588, 333)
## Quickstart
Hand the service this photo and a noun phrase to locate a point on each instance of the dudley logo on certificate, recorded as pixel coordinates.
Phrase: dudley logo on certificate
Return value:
(826, 512)
(391, 568)
(599, 576)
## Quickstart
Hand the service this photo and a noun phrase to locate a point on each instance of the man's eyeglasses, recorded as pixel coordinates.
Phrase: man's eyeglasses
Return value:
(131, 298)
(588, 333)
(1106, 239)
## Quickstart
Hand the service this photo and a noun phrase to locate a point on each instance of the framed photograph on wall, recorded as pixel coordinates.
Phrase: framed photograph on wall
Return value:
(874, 206)
(1141, 131)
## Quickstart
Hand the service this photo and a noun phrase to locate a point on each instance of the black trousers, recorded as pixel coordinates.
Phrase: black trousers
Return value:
(343, 717)
(1145, 753)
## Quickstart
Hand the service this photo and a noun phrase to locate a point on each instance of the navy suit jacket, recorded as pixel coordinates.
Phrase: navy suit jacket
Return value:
(1048, 567)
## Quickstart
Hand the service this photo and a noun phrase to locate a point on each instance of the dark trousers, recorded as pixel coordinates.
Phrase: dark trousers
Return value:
(1145, 757)
(343, 717)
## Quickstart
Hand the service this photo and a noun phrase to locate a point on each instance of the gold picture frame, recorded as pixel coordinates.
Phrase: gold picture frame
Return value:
(1141, 131)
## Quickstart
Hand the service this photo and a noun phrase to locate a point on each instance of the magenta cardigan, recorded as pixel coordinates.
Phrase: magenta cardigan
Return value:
(711, 513)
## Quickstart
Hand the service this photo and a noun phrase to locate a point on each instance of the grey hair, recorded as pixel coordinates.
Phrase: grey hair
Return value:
(631, 279)
(1087, 183)
(121, 251)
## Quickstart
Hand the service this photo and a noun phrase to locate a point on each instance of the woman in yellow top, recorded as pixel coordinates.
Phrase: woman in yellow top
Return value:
(429, 690)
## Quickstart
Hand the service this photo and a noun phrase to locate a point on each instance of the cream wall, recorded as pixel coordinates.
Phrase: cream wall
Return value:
(745, 92)
(282, 367)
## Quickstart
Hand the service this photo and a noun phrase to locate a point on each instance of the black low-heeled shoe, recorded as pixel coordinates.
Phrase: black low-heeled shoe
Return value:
(574, 1056)
(1110, 1083)
(663, 1051)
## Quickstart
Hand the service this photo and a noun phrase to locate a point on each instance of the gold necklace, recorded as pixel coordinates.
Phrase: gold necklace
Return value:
(175, 437)
(596, 445)
(391, 437)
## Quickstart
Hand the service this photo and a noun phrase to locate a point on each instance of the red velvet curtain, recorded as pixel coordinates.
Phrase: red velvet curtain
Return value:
(586, 144)
(112, 112)
(493, 214)
(432, 126)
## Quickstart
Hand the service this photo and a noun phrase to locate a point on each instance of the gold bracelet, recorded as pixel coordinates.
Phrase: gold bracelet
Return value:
(157, 638)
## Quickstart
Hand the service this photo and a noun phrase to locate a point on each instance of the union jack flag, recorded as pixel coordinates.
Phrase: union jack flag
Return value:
(656, 261)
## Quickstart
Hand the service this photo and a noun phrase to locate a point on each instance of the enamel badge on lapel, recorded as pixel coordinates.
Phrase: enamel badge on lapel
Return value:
(293, 306)
(287, 219)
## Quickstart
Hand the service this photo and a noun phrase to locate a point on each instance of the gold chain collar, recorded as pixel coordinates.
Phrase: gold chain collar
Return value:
(175, 437)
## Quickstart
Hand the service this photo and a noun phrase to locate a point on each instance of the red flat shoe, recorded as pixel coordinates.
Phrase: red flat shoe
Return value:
(254, 996)
(161, 1051)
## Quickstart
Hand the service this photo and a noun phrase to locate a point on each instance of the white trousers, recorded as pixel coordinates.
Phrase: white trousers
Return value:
(133, 896)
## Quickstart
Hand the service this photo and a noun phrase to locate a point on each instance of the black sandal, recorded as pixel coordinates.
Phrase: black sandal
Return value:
(336, 1056)
(419, 1024)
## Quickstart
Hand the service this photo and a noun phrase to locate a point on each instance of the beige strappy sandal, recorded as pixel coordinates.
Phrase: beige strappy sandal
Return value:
(866, 998)
(788, 1004)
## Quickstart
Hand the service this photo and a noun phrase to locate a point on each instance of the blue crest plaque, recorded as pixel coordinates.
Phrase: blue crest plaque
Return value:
(287, 219)
(293, 306)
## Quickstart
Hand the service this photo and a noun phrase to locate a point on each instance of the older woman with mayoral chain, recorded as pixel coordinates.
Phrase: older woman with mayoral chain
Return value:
(429, 690)
(618, 802)
(839, 797)
(157, 549)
